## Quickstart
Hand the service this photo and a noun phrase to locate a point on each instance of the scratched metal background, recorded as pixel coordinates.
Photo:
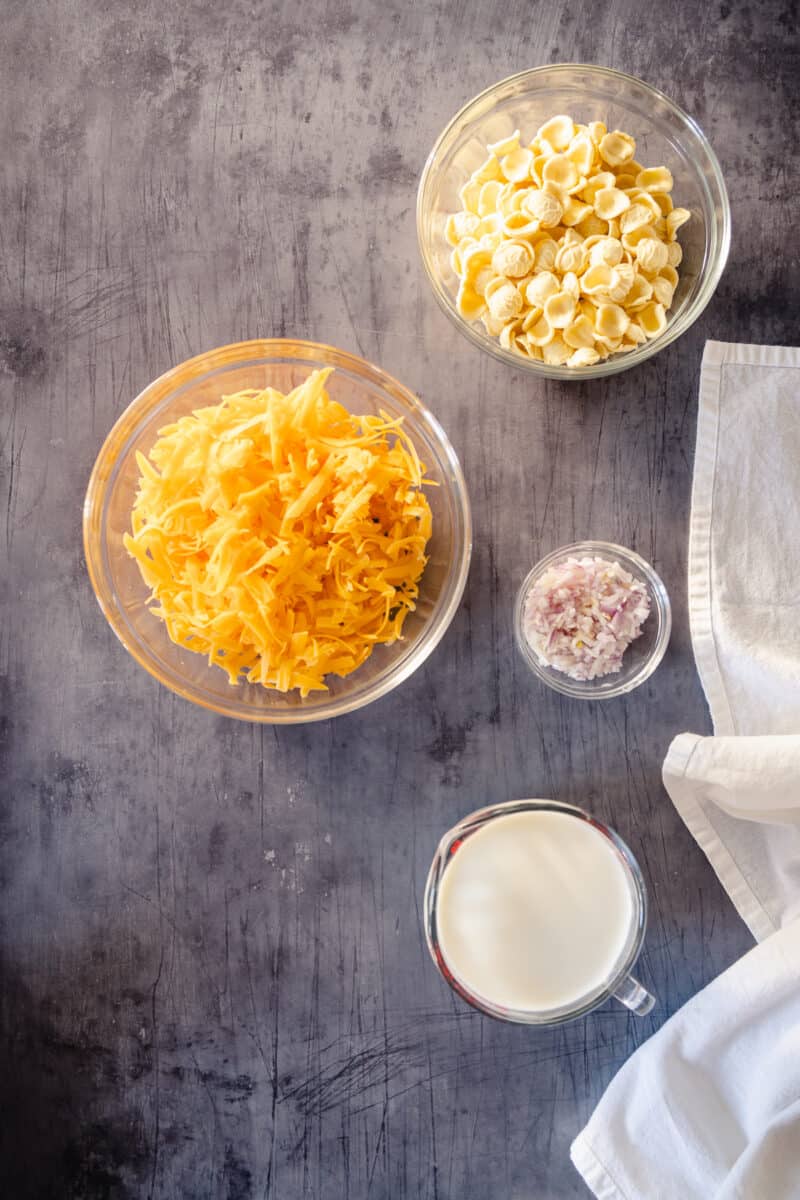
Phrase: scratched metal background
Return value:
(213, 981)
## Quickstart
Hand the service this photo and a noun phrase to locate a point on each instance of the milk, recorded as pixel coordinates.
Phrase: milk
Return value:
(535, 911)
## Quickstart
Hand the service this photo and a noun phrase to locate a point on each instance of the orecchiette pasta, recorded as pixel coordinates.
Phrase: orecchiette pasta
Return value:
(513, 258)
(543, 207)
(541, 288)
(566, 248)
(505, 302)
(610, 202)
(559, 310)
(617, 148)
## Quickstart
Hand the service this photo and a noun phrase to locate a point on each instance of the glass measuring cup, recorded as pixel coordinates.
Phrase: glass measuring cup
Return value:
(617, 981)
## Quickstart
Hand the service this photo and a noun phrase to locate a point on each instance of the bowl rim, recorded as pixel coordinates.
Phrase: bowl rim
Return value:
(197, 366)
(585, 689)
(615, 363)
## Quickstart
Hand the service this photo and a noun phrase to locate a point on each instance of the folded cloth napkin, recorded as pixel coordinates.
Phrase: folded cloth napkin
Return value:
(721, 786)
(709, 1108)
(744, 610)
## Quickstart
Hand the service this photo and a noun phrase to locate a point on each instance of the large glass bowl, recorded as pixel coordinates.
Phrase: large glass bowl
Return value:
(664, 135)
(123, 595)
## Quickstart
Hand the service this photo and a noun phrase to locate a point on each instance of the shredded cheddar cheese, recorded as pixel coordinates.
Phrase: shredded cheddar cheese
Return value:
(281, 536)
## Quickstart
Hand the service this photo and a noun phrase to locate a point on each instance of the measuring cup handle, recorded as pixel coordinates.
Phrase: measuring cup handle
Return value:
(635, 997)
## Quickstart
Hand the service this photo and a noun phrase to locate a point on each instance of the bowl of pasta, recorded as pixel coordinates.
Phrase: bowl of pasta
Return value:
(278, 531)
(573, 221)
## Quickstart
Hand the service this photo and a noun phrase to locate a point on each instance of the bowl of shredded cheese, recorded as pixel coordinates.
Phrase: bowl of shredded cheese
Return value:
(573, 221)
(278, 531)
(592, 620)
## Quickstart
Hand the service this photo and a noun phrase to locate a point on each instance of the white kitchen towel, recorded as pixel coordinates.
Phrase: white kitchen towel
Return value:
(744, 610)
(740, 798)
(709, 1107)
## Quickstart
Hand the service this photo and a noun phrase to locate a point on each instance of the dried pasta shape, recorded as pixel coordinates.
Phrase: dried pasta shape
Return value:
(488, 170)
(556, 352)
(490, 230)
(652, 319)
(651, 254)
(516, 165)
(487, 200)
(635, 335)
(640, 293)
(612, 321)
(582, 152)
(676, 218)
(655, 179)
(545, 252)
(543, 285)
(469, 304)
(560, 169)
(538, 166)
(591, 225)
(506, 145)
(579, 333)
(623, 276)
(663, 291)
(597, 279)
(617, 148)
(570, 257)
(514, 258)
(520, 225)
(631, 240)
(460, 225)
(541, 332)
(584, 356)
(603, 179)
(508, 334)
(610, 202)
(636, 217)
(606, 250)
(530, 319)
(505, 302)
(474, 259)
(575, 211)
(543, 207)
(674, 254)
(560, 309)
(558, 131)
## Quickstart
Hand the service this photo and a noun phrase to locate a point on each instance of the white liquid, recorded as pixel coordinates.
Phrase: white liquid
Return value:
(535, 911)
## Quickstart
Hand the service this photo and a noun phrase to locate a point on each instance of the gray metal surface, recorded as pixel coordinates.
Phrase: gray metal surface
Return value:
(213, 980)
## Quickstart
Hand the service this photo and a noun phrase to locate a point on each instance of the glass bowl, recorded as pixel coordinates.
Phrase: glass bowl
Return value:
(664, 135)
(642, 656)
(122, 594)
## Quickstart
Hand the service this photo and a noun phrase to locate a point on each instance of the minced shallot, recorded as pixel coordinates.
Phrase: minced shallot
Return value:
(582, 614)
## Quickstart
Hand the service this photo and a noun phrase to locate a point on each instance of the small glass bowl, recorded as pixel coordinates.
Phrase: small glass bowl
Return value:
(123, 595)
(665, 135)
(642, 656)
